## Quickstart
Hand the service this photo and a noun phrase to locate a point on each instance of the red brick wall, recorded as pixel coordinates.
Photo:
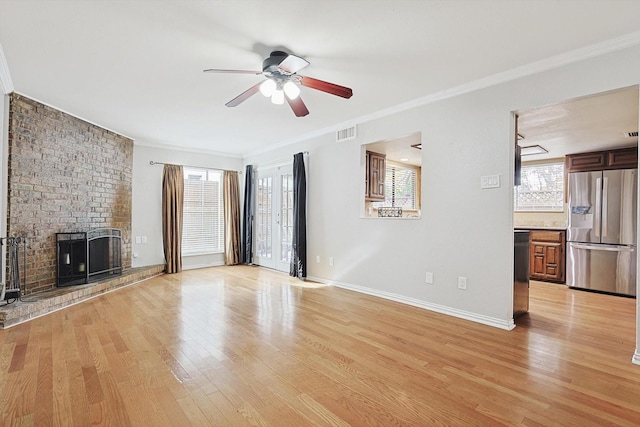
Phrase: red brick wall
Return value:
(65, 175)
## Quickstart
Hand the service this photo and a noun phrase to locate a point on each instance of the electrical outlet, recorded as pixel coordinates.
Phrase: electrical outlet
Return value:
(429, 278)
(331, 261)
(462, 282)
(318, 259)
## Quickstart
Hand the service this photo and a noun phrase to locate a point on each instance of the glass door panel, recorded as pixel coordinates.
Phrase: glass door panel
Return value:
(264, 221)
(274, 218)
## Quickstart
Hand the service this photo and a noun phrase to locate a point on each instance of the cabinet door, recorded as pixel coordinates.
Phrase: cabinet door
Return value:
(553, 253)
(377, 167)
(622, 159)
(585, 162)
(538, 261)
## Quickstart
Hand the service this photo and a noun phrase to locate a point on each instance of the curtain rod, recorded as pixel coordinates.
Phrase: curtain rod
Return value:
(278, 161)
(188, 166)
(202, 167)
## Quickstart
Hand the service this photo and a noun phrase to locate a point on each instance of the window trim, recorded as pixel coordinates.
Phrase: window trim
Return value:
(205, 252)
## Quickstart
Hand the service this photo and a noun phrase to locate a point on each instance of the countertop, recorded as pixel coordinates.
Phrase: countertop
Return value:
(539, 228)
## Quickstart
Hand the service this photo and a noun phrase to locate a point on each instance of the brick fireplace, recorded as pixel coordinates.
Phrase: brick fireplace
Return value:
(65, 175)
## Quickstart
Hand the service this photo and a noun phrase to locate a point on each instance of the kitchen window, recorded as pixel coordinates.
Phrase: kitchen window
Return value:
(203, 217)
(392, 175)
(400, 187)
(541, 189)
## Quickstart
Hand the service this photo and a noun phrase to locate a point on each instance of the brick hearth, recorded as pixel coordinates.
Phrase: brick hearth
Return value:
(41, 303)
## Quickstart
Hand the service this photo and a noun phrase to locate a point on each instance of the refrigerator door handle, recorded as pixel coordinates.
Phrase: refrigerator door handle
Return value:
(604, 248)
(597, 218)
(605, 205)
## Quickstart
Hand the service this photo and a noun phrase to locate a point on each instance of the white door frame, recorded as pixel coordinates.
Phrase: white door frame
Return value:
(273, 224)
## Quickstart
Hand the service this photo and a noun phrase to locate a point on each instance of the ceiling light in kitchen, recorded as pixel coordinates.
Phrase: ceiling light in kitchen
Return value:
(533, 149)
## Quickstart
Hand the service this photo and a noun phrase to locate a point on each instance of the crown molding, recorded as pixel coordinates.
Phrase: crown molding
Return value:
(547, 64)
(556, 61)
(6, 85)
(74, 115)
(171, 147)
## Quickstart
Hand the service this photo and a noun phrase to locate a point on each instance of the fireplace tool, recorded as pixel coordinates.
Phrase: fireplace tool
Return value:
(10, 291)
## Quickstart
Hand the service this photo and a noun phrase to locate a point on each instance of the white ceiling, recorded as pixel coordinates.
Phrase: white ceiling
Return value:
(136, 66)
(592, 123)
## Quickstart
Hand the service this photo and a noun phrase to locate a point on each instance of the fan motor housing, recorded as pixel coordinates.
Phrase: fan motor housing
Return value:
(271, 63)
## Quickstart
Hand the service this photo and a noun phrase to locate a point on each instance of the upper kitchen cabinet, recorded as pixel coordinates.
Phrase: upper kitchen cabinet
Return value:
(625, 158)
(375, 175)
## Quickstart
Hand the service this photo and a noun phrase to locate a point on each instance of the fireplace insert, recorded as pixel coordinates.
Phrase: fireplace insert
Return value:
(85, 257)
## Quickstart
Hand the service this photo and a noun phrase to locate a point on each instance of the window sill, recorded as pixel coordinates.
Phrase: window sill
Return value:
(191, 254)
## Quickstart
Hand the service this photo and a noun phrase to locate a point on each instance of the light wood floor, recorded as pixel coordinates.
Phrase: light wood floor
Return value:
(236, 346)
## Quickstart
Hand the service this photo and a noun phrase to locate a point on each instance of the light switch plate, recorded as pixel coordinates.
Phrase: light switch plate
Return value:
(429, 278)
(490, 181)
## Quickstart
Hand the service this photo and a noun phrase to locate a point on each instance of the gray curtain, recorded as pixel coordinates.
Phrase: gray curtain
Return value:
(172, 201)
(298, 267)
(231, 200)
(247, 219)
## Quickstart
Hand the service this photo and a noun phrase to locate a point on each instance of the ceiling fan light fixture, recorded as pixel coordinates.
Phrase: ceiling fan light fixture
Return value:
(291, 90)
(277, 97)
(268, 87)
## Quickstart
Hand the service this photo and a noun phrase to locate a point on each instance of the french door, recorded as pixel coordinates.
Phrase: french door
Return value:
(274, 217)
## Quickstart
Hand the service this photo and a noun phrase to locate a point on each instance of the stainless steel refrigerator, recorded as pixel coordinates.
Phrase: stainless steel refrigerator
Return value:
(601, 238)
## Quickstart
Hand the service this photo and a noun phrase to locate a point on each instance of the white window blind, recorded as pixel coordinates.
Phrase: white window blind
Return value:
(541, 189)
(399, 187)
(203, 217)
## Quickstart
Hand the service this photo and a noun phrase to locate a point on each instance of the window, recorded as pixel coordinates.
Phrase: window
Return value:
(399, 187)
(203, 217)
(541, 189)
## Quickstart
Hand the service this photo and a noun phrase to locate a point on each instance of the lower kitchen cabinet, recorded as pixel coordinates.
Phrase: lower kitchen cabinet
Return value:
(547, 255)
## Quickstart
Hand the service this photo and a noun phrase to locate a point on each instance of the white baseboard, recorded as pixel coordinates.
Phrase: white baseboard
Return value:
(636, 357)
(196, 266)
(461, 314)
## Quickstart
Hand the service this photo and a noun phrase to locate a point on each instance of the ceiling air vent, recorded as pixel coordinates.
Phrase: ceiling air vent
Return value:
(346, 134)
(632, 134)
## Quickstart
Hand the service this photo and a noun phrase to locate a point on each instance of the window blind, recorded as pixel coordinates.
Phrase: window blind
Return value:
(400, 187)
(203, 216)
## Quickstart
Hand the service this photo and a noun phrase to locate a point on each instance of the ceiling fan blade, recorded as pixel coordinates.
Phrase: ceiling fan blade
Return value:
(292, 64)
(216, 70)
(298, 107)
(327, 87)
(244, 95)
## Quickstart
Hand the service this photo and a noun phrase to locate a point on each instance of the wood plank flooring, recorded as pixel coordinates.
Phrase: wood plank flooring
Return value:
(243, 346)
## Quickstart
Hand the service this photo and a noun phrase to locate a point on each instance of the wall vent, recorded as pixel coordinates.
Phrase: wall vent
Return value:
(632, 134)
(346, 134)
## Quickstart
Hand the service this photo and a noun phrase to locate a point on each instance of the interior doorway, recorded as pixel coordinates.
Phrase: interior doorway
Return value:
(598, 122)
(274, 217)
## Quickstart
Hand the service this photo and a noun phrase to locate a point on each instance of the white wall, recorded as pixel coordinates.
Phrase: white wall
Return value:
(464, 231)
(4, 176)
(147, 201)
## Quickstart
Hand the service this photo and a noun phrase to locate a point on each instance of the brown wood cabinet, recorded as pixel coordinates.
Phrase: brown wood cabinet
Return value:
(599, 160)
(375, 174)
(547, 255)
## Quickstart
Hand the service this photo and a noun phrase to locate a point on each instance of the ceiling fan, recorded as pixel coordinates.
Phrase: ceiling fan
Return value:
(282, 81)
